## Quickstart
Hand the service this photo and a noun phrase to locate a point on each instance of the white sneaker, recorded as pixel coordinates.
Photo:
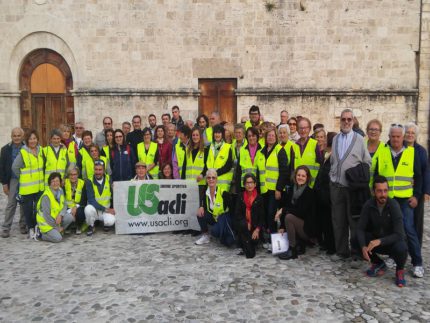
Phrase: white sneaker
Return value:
(418, 272)
(203, 239)
(30, 233)
(266, 245)
(37, 233)
(78, 231)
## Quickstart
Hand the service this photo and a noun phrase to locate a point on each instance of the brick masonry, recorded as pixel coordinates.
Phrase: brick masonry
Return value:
(317, 56)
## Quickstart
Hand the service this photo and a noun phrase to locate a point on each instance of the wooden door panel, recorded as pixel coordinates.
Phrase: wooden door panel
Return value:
(39, 117)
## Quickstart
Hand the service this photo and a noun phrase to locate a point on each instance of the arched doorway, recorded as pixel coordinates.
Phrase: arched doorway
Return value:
(45, 84)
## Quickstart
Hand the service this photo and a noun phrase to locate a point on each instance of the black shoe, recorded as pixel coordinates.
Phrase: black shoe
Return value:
(106, 229)
(290, 254)
(330, 252)
(90, 231)
(301, 248)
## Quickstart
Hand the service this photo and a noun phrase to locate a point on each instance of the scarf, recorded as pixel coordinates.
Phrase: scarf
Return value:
(249, 199)
(297, 192)
(217, 147)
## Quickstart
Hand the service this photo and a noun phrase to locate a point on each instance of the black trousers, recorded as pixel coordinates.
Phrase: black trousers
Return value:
(398, 251)
(419, 219)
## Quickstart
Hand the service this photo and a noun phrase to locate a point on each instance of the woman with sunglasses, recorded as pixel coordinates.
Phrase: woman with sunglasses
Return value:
(214, 211)
(147, 153)
(122, 158)
(292, 123)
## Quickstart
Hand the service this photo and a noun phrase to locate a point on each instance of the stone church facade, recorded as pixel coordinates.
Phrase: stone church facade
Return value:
(120, 58)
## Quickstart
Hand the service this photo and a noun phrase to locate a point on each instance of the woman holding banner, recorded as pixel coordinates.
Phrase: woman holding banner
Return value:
(147, 153)
(214, 211)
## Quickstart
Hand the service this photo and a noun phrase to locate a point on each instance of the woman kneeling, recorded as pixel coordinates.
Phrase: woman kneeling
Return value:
(299, 215)
(214, 211)
(52, 218)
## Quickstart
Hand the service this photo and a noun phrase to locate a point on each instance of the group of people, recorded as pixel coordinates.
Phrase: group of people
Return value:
(348, 192)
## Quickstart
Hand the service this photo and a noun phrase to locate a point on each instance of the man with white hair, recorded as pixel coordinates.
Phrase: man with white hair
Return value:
(10, 181)
(349, 150)
(401, 166)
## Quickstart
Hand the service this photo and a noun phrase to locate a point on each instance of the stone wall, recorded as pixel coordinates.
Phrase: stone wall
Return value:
(162, 47)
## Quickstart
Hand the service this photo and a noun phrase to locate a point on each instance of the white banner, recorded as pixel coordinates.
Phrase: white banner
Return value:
(155, 206)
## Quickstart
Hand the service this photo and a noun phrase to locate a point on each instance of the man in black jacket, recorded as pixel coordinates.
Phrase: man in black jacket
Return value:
(380, 230)
(10, 181)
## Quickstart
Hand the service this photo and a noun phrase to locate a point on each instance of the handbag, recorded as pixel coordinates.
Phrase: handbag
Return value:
(279, 243)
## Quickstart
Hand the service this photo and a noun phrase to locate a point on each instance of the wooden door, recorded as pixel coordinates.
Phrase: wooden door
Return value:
(48, 112)
(46, 101)
(218, 95)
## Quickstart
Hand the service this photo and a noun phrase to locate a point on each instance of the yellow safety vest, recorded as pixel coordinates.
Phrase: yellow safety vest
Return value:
(374, 159)
(247, 166)
(218, 207)
(248, 124)
(208, 133)
(195, 168)
(71, 153)
(289, 145)
(148, 158)
(85, 155)
(308, 159)
(104, 198)
(52, 164)
(78, 193)
(224, 181)
(180, 156)
(272, 168)
(106, 150)
(88, 167)
(400, 181)
(31, 179)
(55, 210)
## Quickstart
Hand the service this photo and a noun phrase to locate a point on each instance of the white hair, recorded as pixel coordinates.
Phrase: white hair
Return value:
(282, 126)
(412, 125)
(212, 172)
(347, 110)
(397, 126)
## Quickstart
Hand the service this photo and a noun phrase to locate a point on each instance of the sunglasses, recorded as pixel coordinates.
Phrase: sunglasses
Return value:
(346, 119)
(210, 177)
(396, 125)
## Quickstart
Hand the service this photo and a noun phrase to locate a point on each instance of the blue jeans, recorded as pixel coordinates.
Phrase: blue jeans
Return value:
(414, 246)
(221, 228)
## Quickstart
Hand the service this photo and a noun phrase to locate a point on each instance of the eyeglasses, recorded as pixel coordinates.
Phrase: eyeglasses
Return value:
(303, 128)
(292, 124)
(346, 119)
(249, 183)
(107, 123)
(396, 125)
(210, 177)
(374, 130)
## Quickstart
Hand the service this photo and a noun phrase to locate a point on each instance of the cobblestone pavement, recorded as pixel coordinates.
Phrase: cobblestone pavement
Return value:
(165, 277)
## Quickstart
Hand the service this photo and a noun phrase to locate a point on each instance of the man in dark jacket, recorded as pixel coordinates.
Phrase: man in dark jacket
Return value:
(380, 230)
(10, 181)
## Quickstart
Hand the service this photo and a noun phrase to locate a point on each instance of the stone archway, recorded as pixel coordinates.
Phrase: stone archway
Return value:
(41, 109)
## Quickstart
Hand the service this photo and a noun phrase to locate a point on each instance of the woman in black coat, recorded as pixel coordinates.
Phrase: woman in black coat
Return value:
(298, 217)
(249, 216)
